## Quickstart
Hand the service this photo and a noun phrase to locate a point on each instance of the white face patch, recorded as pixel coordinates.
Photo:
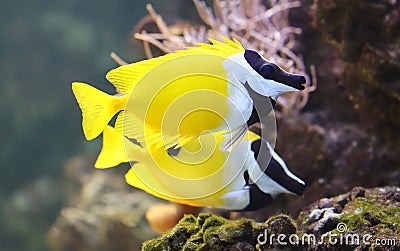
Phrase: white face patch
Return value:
(237, 66)
(239, 101)
(268, 87)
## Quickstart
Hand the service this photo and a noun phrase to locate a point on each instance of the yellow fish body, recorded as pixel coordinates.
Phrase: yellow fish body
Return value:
(200, 174)
(183, 94)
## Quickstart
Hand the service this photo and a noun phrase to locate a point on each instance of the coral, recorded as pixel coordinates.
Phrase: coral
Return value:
(212, 232)
(104, 213)
(345, 136)
(264, 28)
(366, 35)
(374, 211)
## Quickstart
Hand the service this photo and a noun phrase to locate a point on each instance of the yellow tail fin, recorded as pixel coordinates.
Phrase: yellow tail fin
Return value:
(97, 108)
(117, 149)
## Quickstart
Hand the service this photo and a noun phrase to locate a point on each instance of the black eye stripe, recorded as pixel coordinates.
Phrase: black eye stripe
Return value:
(265, 69)
(268, 71)
(254, 60)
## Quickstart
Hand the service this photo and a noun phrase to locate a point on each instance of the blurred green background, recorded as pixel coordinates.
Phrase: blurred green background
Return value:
(45, 46)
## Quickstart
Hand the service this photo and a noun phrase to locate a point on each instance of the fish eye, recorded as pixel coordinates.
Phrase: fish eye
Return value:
(267, 71)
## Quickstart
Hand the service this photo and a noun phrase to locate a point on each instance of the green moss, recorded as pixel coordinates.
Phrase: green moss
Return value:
(188, 218)
(212, 232)
(210, 220)
(176, 237)
(365, 213)
(195, 242)
(372, 212)
(281, 223)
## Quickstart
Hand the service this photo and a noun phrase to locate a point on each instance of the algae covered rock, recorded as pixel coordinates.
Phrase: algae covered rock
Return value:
(367, 38)
(367, 219)
(102, 213)
(211, 232)
(362, 219)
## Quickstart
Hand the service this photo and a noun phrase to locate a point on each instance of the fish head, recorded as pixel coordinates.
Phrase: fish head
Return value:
(269, 79)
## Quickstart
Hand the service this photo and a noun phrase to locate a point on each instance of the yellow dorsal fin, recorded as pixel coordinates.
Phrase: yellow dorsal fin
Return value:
(125, 77)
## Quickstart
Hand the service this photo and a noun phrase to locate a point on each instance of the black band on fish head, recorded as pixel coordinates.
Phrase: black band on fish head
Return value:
(271, 71)
(293, 80)
(254, 60)
(265, 69)
(268, 71)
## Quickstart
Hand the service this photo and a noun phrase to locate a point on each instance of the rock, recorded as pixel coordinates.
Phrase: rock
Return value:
(103, 213)
(367, 38)
(373, 213)
(362, 217)
(211, 232)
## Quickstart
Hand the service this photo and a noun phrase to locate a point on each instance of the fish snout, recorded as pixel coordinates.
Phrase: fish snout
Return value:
(292, 80)
(274, 72)
(299, 81)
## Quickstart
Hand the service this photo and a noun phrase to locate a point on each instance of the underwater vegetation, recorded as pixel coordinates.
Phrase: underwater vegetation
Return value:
(211, 232)
(361, 212)
(257, 26)
(374, 212)
(342, 135)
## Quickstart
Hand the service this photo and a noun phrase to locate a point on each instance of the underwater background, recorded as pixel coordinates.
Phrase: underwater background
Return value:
(51, 198)
(45, 46)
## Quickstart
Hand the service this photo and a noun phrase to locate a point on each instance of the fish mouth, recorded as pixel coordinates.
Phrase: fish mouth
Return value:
(292, 80)
(274, 72)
